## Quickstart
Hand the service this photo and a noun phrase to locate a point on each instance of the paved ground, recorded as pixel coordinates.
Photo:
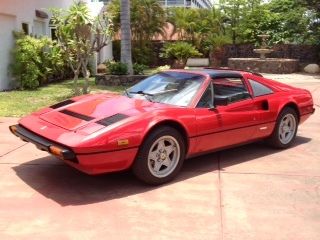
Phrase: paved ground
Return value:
(250, 192)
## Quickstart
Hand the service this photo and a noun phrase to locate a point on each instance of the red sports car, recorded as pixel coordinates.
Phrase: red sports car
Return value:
(166, 118)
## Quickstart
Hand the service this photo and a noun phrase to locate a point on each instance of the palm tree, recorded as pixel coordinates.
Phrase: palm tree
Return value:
(126, 56)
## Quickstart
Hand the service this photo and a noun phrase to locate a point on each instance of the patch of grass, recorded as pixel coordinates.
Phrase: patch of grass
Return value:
(150, 71)
(19, 103)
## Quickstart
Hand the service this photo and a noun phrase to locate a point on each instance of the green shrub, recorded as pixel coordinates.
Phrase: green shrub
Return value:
(138, 69)
(117, 68)
(35, 61)
(142, 55)
(179, 50)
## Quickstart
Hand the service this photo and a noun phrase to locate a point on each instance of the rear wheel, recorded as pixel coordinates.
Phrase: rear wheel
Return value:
(160, 157)
(285, 130)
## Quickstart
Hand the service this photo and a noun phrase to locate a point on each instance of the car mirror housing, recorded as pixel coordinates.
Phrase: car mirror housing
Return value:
(221, 100)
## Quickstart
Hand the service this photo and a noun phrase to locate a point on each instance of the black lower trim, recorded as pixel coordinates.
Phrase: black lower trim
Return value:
(42, 143)
(231, 129)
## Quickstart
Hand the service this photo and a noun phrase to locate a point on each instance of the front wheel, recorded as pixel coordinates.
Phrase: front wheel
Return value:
(160, 157)
(285, 130)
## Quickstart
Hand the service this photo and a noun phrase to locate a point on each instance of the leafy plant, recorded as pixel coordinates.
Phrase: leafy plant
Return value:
(179, 50)
(36, 61)
(117, 68)
(138, 69)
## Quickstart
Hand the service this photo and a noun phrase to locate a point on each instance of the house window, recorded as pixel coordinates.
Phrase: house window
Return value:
(39, 28)
(25, 28)
(53, 33)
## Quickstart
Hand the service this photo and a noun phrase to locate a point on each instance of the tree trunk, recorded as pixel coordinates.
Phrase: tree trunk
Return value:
(75, 83)
(86, 77)
(126, 56)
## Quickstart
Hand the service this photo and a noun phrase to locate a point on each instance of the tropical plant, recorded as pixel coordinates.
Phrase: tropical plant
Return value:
(79, 35)
(180, 52)
(214, 44)
(195, 25)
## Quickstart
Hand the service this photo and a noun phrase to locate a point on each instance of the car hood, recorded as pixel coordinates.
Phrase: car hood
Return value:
(97, 111)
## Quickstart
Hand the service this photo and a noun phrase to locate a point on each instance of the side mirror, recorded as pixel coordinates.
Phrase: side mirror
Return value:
(221, 100)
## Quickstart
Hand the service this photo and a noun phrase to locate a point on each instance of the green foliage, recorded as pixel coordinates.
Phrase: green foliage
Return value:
(138, 69)
(286, 21)
(180, 51)
(197, 25)
(117, 68)
(36, 61)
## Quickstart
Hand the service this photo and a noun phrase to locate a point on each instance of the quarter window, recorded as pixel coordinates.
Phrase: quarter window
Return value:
(259, 89)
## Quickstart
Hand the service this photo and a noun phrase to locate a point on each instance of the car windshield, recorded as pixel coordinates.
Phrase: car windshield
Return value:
(176, 88)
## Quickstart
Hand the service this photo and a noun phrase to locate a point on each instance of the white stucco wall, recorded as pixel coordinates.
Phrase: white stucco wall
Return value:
(15, 12)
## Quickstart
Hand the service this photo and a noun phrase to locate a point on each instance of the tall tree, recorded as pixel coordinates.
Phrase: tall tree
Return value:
(126, 51)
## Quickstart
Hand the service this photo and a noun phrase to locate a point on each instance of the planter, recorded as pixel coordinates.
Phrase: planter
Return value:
(118, 80)
(216, 57)
(178, 64)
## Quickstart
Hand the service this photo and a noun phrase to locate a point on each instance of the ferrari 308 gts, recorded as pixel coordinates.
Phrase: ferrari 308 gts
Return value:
(168, 117)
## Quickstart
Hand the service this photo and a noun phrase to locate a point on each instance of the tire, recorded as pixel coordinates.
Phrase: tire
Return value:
(285, 131)
(160, 157)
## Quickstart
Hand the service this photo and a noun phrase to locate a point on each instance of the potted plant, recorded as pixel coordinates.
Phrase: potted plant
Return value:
(215, 46)
(179, 52)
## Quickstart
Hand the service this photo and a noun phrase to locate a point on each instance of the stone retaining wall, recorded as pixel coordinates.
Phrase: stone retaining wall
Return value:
(304, 53)
(118, 80)
(270, 65)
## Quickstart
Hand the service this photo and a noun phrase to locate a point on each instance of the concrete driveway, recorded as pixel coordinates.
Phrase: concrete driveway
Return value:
(249, 192)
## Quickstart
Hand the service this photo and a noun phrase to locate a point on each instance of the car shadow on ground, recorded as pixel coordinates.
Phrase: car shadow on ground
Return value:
(67, 186)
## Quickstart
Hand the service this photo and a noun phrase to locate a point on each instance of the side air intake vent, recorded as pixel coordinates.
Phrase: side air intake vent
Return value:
(113, 119)
(61, 104)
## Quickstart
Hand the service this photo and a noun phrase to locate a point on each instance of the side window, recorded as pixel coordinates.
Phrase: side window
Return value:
(232, 88)
(259, 89)
(206, 99)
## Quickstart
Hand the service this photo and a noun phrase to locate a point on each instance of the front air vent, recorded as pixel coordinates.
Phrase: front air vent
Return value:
(113, 119)
(77, 115)
(61, 104)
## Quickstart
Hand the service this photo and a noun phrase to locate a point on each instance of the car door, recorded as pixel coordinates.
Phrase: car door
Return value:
(265, 107)
(220, 126)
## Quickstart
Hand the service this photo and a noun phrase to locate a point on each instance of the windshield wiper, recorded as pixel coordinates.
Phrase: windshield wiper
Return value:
(145, 94)
(142, 93)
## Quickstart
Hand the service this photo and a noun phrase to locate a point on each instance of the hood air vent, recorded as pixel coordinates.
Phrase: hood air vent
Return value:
(113, 119)
(61, 104)
(77, 115)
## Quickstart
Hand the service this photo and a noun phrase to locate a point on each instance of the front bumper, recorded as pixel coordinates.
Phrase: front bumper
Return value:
(91, 163)
(43, 143)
